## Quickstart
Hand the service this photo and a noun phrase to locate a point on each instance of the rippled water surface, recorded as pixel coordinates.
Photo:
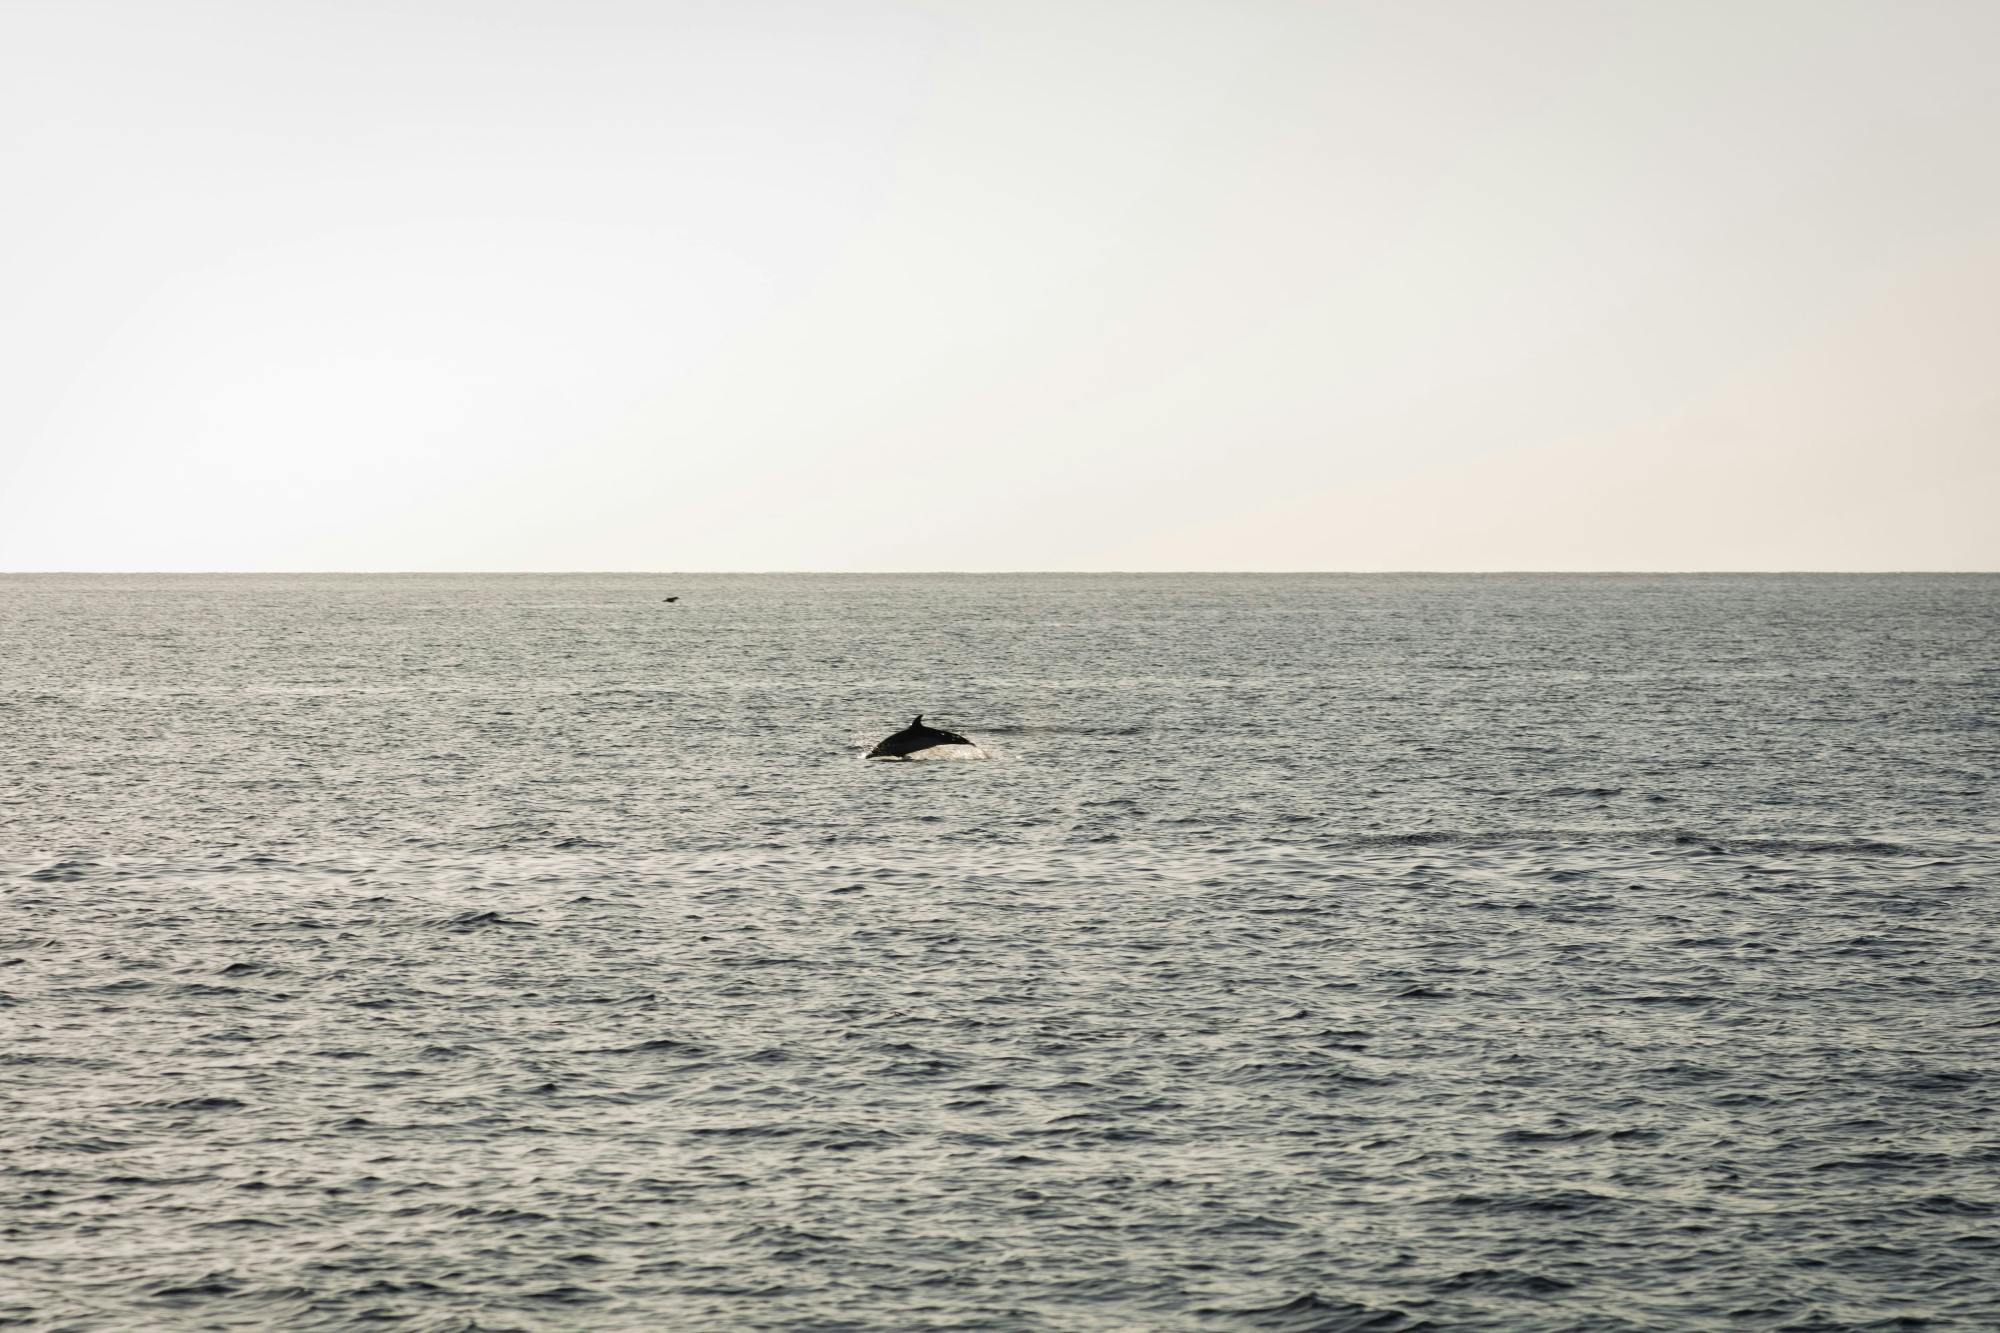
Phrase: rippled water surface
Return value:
(1305, 953)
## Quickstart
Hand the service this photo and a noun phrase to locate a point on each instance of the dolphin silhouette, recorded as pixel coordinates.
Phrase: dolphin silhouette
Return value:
(915, 737)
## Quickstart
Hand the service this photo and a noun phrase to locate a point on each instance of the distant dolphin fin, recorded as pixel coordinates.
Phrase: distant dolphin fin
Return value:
(916, 737)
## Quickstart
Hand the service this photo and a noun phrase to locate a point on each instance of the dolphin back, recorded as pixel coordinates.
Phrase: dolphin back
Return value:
(914, 738)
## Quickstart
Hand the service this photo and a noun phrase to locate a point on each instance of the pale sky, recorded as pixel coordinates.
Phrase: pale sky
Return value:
(999, 284)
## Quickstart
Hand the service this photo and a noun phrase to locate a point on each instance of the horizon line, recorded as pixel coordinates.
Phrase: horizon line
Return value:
(970, 573)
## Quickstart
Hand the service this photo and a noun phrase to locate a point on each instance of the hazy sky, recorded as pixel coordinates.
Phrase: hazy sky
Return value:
(1000, 284)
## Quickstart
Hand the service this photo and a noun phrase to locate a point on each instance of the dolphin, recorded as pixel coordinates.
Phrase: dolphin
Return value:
(915, 737)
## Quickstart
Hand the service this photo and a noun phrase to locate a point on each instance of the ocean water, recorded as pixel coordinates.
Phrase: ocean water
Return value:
(1300, 953)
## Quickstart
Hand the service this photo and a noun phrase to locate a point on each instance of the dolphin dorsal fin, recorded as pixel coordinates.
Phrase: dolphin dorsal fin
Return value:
(919, 722)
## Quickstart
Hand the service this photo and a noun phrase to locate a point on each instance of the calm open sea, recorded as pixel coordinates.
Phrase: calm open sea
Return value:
(1307, 953)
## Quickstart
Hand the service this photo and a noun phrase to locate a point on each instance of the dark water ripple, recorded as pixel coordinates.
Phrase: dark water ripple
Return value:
(1310, 953)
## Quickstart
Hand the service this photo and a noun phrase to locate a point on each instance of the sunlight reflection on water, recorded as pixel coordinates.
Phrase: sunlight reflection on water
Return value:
(1314, 952)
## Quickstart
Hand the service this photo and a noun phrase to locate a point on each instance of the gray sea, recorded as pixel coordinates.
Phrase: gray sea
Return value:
(1296, 953)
